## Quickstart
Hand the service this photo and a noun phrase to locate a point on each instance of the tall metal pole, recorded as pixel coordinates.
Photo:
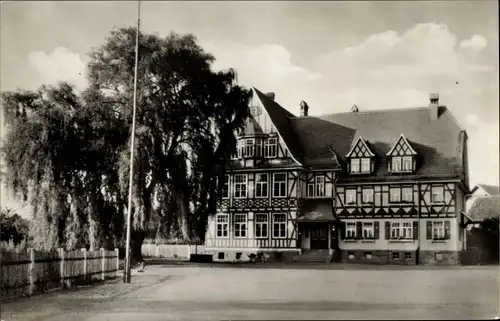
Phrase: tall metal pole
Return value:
(127, 267)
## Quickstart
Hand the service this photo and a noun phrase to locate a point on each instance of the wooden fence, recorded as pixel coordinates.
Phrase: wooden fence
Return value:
(32, 271)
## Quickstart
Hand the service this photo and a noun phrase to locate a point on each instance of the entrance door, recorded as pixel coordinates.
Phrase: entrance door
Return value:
(319, 236)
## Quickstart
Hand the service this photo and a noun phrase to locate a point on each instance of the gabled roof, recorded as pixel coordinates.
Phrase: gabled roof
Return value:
(280, 117)
(492, 190)
(484, 207)
(402, 142)
(437, 142)
(361, 149)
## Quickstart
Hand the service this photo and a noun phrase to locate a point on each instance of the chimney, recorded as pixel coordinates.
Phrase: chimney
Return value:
(354, 109)
(433, 106)
(304, 109)
(271, 95)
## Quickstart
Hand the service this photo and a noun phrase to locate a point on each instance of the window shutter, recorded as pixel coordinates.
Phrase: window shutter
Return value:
(343, 228)
(359, 230)
(376, 230)
(447, 230)
(429, 230)
(415, 230)
(387, 230)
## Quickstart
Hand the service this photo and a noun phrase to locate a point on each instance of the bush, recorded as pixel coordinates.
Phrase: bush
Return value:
(10, 246)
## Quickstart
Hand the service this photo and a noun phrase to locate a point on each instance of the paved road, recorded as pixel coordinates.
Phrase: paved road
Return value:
(215, 293)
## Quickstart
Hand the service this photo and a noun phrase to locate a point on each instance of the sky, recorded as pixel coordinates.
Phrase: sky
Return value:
(377, 55)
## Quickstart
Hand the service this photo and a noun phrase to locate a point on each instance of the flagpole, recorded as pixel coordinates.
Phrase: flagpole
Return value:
(127, 267)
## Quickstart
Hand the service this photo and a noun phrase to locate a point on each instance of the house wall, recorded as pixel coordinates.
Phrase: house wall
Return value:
(421, 210)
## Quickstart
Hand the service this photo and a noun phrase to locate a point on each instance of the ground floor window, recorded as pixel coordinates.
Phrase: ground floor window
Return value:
(401, 230)
(222, 221)
(240, 225)
(437, 230)
(368, 230)
(350, 230)
(279, 225)
(395, 230)
(261, 225)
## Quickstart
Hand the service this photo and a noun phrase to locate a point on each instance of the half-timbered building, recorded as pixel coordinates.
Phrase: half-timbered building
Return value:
(377, 186)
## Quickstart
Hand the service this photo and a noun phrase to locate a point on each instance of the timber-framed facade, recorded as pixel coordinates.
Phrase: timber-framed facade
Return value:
(375, 187)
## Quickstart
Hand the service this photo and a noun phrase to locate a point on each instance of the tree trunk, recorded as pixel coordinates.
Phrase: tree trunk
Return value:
(136, 240)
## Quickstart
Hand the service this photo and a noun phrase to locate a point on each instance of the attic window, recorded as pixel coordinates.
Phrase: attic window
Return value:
(402, 157)
(360, 158)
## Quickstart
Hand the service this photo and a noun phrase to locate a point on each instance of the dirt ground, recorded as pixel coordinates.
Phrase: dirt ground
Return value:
(202, 292)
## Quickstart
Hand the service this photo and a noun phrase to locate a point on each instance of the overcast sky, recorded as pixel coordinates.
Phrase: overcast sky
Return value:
(377, 55)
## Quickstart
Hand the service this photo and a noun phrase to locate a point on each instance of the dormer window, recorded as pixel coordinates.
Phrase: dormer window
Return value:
(360, 158)
(402, 157)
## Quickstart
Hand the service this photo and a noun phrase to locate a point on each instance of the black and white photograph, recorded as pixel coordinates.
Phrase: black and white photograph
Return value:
(249, 160)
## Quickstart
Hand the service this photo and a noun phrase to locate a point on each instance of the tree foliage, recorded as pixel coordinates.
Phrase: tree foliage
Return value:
(68, 154)
(13, 227)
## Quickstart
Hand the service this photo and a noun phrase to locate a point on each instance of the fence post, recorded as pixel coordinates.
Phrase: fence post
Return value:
(31, 288)
(157, 251)
(84, 250)
(117, 253)
(103, 264)
(189, 252)
(61, 266)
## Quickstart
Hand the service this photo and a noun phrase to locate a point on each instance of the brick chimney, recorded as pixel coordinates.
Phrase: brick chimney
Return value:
(433, 106)
(271, 95)
(304, 109)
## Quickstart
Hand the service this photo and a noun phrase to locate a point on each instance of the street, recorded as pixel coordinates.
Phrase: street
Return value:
(201, 292)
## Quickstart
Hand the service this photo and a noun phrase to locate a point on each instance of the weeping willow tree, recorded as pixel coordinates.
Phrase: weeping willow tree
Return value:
(58, 154)
(68, 155)
(187, 115)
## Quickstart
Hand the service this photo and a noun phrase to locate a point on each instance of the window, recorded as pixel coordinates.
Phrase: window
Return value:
(401, 230)
(261, 185)
(395, 255)
(355, 165)
(407, 230)
(279, 185)
(240, 186)
(438, 230)
(365, 165)
(395, 196)
(395, 230)
(239, 148)
(407, 255)
(225, 187)
(310, 190)
(240, 225)
(368, 255)
(350, 230)
(320, 186)
(368, 230)
(350, 255)
(261, 226)
(407, 164)
(350, 196)
(258, 148)
(270, 147)
(368, 195)
(407, 194)
(249, 148)
(279, 225)
(437, 194)
(222, 221)
(396, 164)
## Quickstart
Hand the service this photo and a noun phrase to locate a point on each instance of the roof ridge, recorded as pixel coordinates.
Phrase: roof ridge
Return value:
(376, 111)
